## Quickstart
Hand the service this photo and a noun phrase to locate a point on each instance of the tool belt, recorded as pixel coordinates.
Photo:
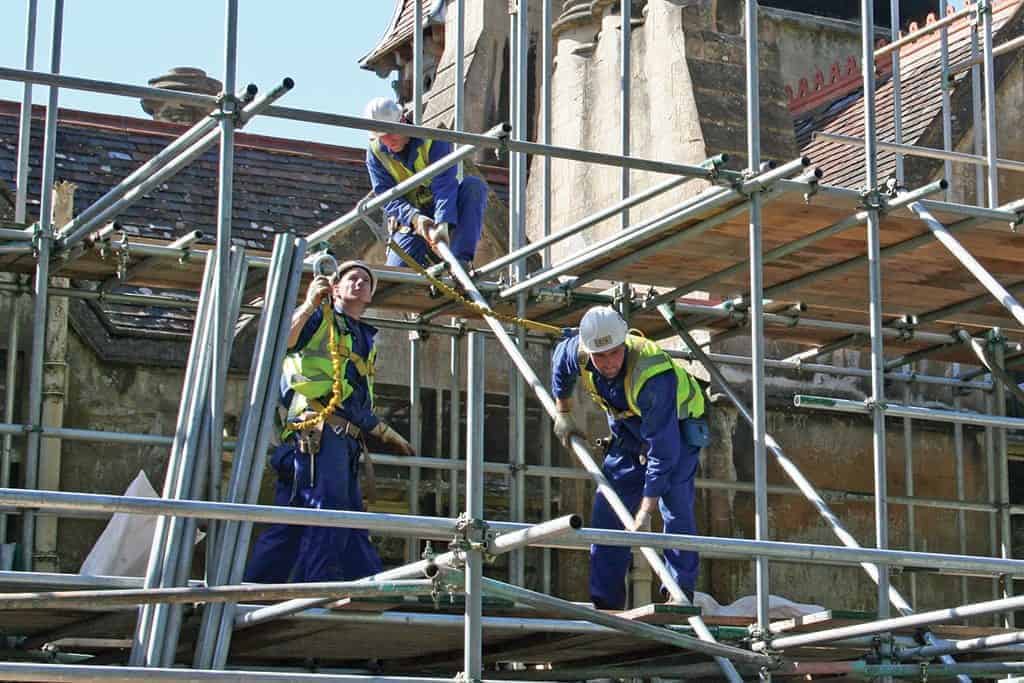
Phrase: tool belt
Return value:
(309, 443)
(605, 444)
(394, 226)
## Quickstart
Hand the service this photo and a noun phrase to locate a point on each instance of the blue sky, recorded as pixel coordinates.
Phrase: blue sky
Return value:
(316, 42)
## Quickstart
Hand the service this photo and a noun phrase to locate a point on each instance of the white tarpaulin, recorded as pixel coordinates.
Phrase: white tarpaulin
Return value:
(123, 547)
(778, 607)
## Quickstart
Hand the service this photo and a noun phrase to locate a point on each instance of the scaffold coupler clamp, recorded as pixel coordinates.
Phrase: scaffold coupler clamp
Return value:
(893, 188)
(227, 107)
(124, 256)
(461, 677)
(1016, 222)
(470, 534)
(873, 200)
(906, 327)
(881, 650)
(714, 166)
(872, 405)
(37, 237)
(995, 336)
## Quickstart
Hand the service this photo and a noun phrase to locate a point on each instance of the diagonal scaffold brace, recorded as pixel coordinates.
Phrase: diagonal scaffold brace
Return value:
(583, 454)
(787, 465)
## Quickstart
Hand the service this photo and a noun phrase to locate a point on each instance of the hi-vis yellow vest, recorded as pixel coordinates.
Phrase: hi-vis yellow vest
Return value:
(310, 373)
(645, 359)
(421, 197)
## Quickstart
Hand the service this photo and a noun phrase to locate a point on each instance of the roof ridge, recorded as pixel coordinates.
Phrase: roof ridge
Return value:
(844, 77)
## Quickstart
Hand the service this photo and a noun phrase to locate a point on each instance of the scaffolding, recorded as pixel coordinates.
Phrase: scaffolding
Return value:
(167, 600)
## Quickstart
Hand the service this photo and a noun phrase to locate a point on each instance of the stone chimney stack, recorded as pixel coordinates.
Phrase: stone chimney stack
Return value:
(181, 78)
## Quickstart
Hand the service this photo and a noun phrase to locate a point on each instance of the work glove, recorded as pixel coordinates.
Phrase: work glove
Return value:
(566, 428)
(319, 288)
(423, 225)
(388, 435)
(438, 233)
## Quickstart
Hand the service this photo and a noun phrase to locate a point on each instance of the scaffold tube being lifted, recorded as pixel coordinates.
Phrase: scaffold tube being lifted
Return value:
(579, 448)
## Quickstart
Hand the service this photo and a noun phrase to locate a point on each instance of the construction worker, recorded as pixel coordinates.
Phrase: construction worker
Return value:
(325, 417)
(655, 412)
(443, 210)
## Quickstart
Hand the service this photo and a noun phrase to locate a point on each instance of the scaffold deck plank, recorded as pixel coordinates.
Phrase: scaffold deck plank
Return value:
(402, 643)
(915, 282)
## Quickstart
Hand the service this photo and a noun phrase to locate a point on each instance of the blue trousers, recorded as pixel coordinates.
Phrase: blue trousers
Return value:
(609, 564)
(287, 552)
(465, 234)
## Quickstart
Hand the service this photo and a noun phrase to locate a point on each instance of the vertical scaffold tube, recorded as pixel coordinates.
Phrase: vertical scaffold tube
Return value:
(40, 292)
(757, 340)
(475, 392)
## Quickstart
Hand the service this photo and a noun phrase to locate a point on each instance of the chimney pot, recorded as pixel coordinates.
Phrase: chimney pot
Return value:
(187, 79)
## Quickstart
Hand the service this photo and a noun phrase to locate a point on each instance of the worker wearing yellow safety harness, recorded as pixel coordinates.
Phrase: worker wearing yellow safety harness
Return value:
(655, 412)
(327, 396)
(443, 209)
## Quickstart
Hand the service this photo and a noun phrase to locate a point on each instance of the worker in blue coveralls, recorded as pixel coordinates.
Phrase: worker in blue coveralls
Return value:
(443, 210)
(325, 417)
(656, 415)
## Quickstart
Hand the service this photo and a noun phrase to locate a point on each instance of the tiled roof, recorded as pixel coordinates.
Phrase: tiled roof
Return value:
(920, 86)
(399, 31)
(280, 185)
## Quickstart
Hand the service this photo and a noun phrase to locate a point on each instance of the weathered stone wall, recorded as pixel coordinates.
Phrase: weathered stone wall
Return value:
(808, 43)
(687, 104)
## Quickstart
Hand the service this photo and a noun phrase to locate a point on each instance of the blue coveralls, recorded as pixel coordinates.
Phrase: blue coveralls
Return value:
(461, 205)
(311, 553)
(668, 474)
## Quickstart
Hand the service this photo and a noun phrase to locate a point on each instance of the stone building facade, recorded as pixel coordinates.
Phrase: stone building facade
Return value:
(687, 105)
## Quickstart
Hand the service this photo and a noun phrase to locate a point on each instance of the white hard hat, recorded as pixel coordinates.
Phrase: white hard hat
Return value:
(383, 109)
(602, 329)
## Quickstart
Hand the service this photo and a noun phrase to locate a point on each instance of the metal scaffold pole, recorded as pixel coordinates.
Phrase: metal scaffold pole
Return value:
(476, 391)
(520, 42)
(44, 244)
(412, 547)
(757, 340)
(25, 119)
(985, 8)
(875, 294)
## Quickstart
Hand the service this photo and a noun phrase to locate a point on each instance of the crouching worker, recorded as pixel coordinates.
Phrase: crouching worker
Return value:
(327, 392)
(655, 413)
(442, 210)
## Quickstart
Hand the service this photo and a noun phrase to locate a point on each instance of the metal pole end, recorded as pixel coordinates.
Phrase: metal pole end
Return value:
(805, 161)
(943, 184)
(251, 90)
(506, 127)
(431, 570)
(288, 83)
(576, 521)
(818, 173)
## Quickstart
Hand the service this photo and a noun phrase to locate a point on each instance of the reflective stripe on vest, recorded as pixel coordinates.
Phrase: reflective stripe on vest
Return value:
(645, 359)
(309, 372)
(421, 197)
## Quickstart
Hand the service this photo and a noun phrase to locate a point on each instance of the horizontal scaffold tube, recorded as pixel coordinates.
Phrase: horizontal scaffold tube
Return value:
(919, 620)
(72, 673)
(439, 527)
(441, 463)
(105, 599)
(840, 405)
